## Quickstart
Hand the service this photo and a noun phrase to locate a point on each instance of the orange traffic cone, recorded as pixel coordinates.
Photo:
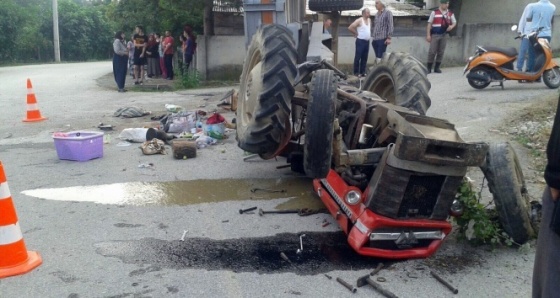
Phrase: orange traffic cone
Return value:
(33, 113)
(14, 257)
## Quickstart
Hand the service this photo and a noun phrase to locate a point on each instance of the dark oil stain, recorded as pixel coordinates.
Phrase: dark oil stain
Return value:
(73, 295)
(135, 295)
(300, 190)
(172, 290)
(322, 252)
(33, 230)
(162, 226)
(454, 263)
(125, 225)
(143, 271)
(64, 276)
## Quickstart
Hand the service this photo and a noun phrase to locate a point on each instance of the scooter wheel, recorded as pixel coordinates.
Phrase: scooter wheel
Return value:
(551, 78)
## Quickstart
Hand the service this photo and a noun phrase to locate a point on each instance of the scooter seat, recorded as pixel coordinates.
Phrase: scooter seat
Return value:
(510, 52)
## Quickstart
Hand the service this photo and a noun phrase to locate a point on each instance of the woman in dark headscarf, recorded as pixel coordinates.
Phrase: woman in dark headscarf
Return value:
(153, 57)
(120, 60)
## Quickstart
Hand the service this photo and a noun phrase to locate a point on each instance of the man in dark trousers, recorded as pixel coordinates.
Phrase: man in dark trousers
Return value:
(382, 29)
(361, 30)
(546, 271)
(441, 21)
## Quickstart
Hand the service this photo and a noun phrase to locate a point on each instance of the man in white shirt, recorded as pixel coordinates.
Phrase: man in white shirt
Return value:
(361, 29)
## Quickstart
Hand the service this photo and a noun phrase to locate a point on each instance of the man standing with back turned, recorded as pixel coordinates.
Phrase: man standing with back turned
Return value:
(540, 15)
(440, 23)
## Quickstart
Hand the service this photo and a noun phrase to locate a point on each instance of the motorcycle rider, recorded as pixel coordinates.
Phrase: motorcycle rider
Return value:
(525, 49)
(441, 21)
(540, 15)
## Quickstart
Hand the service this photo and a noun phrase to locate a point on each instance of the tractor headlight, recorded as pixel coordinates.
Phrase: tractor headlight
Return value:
(456, 209)
(353, 197)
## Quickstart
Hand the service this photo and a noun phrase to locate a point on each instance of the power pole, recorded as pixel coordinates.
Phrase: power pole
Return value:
(56, 39)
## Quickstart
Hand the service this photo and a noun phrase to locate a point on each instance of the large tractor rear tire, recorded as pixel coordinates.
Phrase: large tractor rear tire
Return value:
(335, 5)
(319, 124)
(266, 91)
(507, 185)
(402, 80)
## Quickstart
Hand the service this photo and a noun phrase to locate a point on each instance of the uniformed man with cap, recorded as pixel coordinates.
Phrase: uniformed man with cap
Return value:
(441, 21)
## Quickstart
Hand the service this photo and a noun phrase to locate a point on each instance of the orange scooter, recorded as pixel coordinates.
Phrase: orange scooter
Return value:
(494, 64)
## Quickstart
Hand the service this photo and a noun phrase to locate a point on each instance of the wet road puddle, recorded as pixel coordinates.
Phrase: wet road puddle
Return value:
(322, 252)
(299, 190)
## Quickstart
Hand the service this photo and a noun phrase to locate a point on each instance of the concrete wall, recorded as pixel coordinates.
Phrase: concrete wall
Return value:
(497, 12)
(223, 59)
(220, 57)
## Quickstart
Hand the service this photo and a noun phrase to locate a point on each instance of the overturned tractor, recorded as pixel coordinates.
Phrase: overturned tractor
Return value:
(386, 172)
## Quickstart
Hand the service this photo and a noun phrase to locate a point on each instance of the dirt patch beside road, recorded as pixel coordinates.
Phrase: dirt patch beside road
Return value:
(531, 128)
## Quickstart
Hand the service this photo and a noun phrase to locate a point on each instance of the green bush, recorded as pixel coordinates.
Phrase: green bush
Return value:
(478, 224)
(190, 79)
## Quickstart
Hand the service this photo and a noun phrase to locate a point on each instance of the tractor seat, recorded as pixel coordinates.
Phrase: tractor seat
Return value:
(510, 52)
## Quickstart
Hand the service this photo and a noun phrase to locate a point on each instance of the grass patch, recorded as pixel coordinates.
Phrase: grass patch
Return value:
(531, 128)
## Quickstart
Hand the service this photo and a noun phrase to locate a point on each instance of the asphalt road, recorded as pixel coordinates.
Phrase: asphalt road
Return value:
(107, 250)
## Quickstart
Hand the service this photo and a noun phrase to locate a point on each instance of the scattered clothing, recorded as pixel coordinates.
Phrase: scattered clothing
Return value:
(130, 112)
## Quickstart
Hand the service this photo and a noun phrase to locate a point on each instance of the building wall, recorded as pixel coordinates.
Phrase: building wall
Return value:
(223, 58)
(500, 12)
(228, 24)
(220, 57)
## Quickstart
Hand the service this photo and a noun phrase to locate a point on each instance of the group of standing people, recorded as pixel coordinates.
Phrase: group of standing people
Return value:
(381, 37)
(440, 23)
(154, 51)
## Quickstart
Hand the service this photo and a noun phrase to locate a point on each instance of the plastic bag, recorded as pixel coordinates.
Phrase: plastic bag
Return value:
(216, 131)
(179, 122)
(204, 141)
(136, 135)
(173, 108)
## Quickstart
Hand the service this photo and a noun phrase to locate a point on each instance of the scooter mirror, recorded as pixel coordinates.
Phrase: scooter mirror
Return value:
(514, 27)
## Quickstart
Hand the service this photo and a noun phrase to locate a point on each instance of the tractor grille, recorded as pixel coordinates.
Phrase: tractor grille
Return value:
(398, 193)
(420, 196)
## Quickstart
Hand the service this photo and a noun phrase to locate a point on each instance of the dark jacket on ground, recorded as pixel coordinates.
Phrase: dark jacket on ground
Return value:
(552, 172)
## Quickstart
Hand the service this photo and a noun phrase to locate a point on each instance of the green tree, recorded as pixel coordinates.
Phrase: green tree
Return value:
(84, 32)
(12, 20)
(86, 27)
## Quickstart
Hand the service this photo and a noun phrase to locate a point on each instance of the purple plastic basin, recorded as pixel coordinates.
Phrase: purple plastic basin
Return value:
(79, 145)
